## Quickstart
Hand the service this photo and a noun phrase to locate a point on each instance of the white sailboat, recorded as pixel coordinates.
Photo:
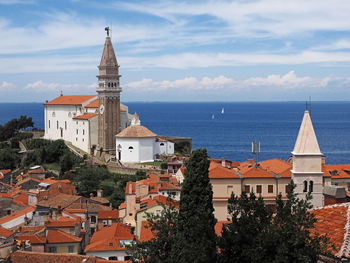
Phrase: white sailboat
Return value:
(222, 111)
(212, 117)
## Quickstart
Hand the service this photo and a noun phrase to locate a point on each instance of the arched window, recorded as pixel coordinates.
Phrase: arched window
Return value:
(305, 186)
(131, 148)
(311, 186)
(162, 144)
(109, 85)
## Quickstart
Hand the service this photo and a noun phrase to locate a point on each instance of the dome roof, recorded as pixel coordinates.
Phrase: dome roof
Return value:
(136, 131)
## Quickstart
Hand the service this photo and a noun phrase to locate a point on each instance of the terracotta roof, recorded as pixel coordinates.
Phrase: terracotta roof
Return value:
(85, 116)
(41, 257)
(92, 207)
(122, 206)
(28, 179)
(334, 221)
(146, 232)
(149, 202)
(15, 215)
(33, 239)
(169, 186)
(70, 100)
(21, 199)
(99, 199)
(25, 229)
(341, 171)
(277, 166)
(133, 188)
(77, 210)
(256, 172)
(5, 232)
(216, 170)
(107, 239)
(136, 131)
(5, 171)
(38, 170)
(113, 214)
(62, 200)
(62, 222)
(57, 236)
(52, 180)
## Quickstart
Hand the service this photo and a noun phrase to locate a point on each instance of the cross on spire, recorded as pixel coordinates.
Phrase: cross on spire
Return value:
(107, 30)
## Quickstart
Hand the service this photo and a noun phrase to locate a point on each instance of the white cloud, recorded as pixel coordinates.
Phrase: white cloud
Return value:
(6, 85)
(257, 17)
(40, 86)
(286, 82)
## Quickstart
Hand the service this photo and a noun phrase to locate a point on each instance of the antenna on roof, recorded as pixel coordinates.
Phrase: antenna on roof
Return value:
(256, 151)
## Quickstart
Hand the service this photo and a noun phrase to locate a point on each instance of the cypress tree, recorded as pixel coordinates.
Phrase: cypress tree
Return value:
(196, 238)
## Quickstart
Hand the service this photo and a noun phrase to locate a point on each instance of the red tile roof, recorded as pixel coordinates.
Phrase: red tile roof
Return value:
(277, 166)
(136, 131)
(85, 116)
(155, 201)
(33, 239)
(122, 206)
(21, 199)
(41, 257)
(216, 170)
(25, 229)
(5, 232)
(334, 221)
(146, 232)
(5, 171)
(218, 227)
(52, 180)
(341, 171)
(107, 239)
(70, 100)
(105, 214)
(16, 215)
(57, 236)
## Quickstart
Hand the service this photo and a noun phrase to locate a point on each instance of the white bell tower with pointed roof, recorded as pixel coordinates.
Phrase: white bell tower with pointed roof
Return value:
(307, 163)
(109, 97)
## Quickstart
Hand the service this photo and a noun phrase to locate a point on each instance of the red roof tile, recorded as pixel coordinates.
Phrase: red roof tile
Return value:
(216, 170)
(146, 232)
(341, 171)
(33, 239)
(95, 104)
(218, 227)
(41, 257)
(107, 239)
(5, 232)
(15, 215)
(70, 100)
(85, 116)
(105, 214)
(334, 221)
(57, 236)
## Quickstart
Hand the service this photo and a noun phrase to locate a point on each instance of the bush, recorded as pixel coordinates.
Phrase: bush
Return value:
(37, 143)
(164, 165)
(9, 159)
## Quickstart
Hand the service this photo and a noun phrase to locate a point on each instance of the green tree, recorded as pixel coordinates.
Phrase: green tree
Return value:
(247, 238)
(87, 180)
(8, 159)
(67, 161)
(196, 238)
(254, 235)
(161, 247)
(55, 150)
(293, 225)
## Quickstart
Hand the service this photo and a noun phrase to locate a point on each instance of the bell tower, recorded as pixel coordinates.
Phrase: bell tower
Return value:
(307, 163)
(109, 97)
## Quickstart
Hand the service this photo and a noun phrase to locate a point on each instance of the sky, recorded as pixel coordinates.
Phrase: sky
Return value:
(242, 50)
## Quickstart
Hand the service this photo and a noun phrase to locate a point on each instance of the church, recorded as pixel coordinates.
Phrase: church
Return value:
(92, 122)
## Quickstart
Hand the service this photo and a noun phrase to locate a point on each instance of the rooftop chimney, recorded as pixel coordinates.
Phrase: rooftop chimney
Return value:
(223, 162)
(99, 193)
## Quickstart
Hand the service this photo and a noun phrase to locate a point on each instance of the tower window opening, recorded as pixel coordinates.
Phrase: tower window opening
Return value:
(109, 85)
(311, 186)
(305, 186)
(65, 125)
(49, 124)
(57, 125)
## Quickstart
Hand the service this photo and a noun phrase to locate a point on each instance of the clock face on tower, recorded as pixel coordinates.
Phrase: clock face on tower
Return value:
(102, 109)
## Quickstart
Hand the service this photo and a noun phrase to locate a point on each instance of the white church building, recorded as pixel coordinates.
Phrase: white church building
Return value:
(138, 144)
(91, 122)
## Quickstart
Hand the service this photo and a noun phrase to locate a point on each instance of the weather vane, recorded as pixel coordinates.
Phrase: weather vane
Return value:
(107, 30)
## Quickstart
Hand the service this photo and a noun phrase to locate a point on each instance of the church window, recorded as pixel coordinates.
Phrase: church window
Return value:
(131, 148)
(258, 189)
(65, 125)
(162, 144)
(83, 132)
(247, 188)
(77, 132)
(305, 186)
(53, 114)
(83, 139)
(270, 188)
(76, 139)
(77, 122)
(311, 186)
(109, 85)
(57, 125)
(49, 124)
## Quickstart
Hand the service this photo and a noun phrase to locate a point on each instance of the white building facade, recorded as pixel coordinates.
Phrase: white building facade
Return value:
(137, 144)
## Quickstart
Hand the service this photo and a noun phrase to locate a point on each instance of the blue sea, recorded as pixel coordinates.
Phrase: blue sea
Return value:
(229, 135)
